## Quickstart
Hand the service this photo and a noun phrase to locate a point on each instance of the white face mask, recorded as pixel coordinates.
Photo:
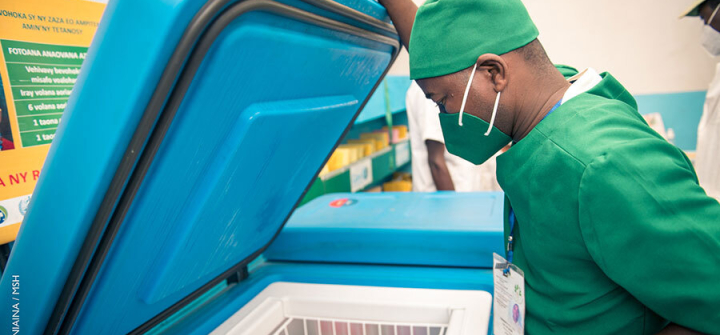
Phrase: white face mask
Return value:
(711, 37)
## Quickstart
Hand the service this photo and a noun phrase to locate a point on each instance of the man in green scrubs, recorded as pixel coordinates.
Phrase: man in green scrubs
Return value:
(608, 223)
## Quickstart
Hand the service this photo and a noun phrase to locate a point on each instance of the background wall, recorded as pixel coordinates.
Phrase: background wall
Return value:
(641, 42)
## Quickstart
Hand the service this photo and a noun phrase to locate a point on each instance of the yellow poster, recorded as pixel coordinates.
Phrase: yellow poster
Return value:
(43, 42)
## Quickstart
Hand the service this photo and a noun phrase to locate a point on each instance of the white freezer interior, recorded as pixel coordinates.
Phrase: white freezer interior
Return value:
(319, 309)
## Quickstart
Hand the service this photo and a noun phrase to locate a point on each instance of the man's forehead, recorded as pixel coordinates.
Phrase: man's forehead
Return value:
(428, 87)
(435, 85)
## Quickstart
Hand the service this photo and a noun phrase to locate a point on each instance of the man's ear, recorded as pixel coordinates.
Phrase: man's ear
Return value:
(495, 67)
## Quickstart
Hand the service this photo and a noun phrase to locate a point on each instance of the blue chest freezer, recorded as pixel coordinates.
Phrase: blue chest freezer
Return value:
(193, 131)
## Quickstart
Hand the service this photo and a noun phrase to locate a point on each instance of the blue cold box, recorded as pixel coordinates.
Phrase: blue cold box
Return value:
(193, 131)
(438, 229)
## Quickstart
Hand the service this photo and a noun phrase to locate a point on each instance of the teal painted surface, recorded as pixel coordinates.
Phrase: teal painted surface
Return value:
(397, 87)
(375, 107)
(680, 111)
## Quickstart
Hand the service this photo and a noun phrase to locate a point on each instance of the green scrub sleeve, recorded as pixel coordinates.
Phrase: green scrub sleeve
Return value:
(652, 229)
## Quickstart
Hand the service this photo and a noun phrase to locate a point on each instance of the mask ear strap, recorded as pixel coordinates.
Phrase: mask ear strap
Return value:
(492, 119)
(467, 89)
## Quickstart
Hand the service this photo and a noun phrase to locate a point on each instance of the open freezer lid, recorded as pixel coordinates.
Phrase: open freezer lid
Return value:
(184, 186)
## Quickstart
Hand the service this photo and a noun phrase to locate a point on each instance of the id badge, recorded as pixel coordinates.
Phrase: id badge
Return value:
(509, 298)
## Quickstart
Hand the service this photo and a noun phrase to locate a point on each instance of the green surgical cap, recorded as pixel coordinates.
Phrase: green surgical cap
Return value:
(449, 35)
(693, 10)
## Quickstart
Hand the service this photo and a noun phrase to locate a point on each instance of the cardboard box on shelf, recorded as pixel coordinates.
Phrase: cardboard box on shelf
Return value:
(367, 148)
(397, 186)
(355, 152)
(338, 159)
(382, 138)
(369, 144)
(325, 170)
(399, 133)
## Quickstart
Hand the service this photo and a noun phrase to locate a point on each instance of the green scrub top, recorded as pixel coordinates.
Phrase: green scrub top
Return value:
(613, 232)
(566, 70)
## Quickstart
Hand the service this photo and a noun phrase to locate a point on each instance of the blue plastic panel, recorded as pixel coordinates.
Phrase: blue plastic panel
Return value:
(443, 229)
(215, 311)
(268, 103)
(214, 201)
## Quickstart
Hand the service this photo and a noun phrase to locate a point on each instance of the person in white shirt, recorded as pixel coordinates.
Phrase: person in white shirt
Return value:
(707, 159)
(433, 167)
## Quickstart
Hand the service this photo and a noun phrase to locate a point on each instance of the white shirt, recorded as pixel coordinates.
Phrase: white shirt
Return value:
(707, 153)
(425, 125)
(581, 83)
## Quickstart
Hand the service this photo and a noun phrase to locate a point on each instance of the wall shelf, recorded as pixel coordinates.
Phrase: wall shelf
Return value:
(366, 172)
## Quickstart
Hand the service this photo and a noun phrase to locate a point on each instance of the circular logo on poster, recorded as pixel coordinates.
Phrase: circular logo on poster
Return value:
(3, 214)
(23, 205)
(343, 202)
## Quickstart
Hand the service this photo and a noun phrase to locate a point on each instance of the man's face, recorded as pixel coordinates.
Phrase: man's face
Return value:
(706, 11)
(448, 90)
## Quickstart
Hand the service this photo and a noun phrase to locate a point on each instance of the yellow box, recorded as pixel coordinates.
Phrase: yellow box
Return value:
(338, 159)
(368, 146)
(325, 170)
(355, 151)
(359, 150)
(401, 129)
(397, 186)
(383, 139)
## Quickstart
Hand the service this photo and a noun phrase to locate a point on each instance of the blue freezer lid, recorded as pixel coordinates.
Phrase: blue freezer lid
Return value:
(434, 229)
(193, 130)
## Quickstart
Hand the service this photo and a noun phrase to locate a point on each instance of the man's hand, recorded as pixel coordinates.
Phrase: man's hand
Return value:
(402, 14)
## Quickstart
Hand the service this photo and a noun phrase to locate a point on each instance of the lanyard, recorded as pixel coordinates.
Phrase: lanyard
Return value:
(553, 109)
(511, 217)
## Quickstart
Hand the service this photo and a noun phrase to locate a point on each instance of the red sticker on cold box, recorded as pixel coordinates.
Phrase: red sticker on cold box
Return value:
(342, 202)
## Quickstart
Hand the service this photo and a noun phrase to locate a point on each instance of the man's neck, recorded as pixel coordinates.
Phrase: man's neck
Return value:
(537, 105)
